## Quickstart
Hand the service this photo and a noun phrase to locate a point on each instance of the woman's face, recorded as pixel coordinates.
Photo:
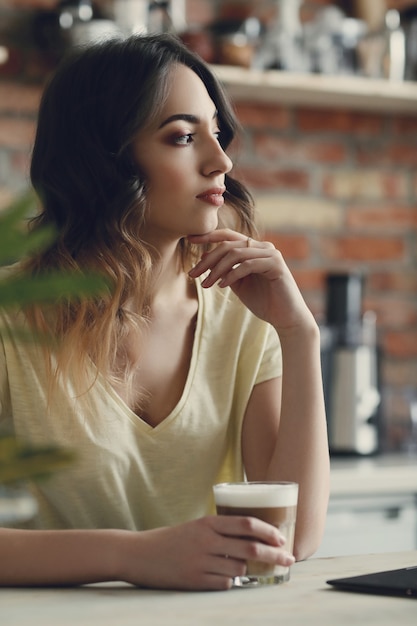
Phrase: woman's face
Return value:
(183, 163)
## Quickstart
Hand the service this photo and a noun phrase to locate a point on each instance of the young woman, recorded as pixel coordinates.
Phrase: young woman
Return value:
(201, 364)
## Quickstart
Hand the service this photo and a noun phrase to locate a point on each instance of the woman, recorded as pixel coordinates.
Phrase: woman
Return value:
(201, 364)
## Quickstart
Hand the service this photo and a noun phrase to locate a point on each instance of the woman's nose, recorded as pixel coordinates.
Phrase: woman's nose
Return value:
(216, 160)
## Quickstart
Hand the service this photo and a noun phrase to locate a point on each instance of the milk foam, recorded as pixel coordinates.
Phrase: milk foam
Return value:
(255, 495)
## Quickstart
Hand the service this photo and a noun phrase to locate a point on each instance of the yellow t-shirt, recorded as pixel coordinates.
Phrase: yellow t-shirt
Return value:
(128, 474)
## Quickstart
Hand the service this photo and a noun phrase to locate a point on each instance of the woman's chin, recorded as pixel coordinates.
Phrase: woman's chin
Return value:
(208, 226)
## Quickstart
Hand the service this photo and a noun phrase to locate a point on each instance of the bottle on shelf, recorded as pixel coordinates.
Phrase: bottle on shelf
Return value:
(71, 23)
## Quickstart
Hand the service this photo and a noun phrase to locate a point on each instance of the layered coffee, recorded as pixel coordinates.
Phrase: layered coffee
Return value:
(272, 502)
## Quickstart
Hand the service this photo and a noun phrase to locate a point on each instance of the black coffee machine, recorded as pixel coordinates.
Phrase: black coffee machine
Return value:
(350, 362)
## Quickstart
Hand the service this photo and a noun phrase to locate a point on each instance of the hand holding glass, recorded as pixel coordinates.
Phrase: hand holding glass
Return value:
(272, 502)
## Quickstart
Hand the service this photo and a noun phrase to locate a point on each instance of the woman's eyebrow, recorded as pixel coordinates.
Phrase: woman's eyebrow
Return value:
(186, 117)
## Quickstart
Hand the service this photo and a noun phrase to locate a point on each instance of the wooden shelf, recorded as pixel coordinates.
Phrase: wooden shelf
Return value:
(314, 90)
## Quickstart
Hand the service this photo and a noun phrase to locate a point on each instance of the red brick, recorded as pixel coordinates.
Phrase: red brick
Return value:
(310, 279)
(403, 154)
(324, 152)
(393, 311)
(391, 154)
(401, 344)
(405, 125)
(16, 133)
(399, 373)
(263, 115)
(200, 12)
(364, 249)
(381, 217)
(362, 183)
(393, 280)
(268, 146)
(264, 178)
(290, 246)
(394, 185)
(340, 121)
(17, 98)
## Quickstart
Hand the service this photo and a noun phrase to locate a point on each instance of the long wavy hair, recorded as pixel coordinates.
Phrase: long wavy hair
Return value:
(92, 193)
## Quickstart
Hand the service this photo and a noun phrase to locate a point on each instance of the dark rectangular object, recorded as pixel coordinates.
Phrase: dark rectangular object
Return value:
(398, 582)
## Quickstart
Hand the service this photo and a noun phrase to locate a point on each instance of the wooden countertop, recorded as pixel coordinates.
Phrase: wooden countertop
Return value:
(305, 599)
(379, 475)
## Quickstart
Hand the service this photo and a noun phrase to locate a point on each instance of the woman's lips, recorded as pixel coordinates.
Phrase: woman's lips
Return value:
(213, 196)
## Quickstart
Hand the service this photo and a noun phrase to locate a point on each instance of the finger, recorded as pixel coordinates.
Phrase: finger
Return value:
(244, 526)
(237, 266)
(210, 258)
(217, 582)
(225, 235)
(217, 236)
(264, 267)
(228, 254)
(247, 549)
(226, 565)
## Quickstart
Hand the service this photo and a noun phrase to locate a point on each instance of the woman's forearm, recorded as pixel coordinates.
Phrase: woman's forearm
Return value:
(186, 556)
(301, 452)
(58, 557)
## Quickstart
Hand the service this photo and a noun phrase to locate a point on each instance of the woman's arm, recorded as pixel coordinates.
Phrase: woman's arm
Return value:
(203, 554)
(57, 557)
(284, 433)
(285, 436)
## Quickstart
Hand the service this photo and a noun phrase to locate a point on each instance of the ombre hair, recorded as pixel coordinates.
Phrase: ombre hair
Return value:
(93, 195)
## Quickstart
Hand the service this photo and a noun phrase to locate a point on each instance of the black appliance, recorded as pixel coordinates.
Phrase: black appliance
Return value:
(350, 363)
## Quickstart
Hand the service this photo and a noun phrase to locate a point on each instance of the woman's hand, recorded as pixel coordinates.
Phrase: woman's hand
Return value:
(204, 554)
(257, 273)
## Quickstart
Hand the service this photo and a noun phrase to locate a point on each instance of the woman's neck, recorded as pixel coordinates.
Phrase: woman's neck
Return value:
(171, 283)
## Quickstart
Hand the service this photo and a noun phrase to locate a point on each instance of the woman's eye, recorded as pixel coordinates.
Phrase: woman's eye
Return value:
(183, 140)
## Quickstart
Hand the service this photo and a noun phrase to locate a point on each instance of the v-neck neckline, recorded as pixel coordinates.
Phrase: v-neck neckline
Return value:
(166, 421)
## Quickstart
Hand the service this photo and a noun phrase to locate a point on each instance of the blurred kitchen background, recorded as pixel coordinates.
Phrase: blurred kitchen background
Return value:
(327, 96)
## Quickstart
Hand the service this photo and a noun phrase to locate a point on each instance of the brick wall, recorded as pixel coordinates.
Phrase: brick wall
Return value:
(336, 190)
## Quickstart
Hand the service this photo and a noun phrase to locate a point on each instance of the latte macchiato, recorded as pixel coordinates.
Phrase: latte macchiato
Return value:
(272, 502)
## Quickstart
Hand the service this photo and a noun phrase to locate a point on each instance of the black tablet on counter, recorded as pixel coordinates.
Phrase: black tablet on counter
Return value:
(398, 582)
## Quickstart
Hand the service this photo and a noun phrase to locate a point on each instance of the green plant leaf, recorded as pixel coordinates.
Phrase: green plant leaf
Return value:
(49, 288)
(20, 461)
(16, 241)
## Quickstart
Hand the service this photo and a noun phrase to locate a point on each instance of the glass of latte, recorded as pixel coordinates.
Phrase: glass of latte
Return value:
(272, 502)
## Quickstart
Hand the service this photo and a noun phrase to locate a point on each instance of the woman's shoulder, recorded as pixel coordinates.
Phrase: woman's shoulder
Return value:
(232, 332)
(221, 307)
